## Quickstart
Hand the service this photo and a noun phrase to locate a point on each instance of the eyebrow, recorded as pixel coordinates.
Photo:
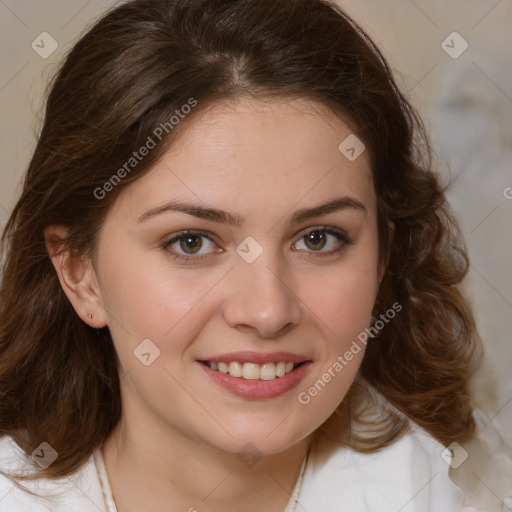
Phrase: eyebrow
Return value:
(212, 214)
(338, 204)
(224, 217)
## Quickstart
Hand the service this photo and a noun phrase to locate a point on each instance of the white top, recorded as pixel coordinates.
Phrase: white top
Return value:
(407, 476)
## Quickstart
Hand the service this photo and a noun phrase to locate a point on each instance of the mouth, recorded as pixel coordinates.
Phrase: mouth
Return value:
(253, 375)
(253, 371)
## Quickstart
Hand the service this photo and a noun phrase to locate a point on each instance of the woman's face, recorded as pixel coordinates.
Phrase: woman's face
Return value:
(252, 243)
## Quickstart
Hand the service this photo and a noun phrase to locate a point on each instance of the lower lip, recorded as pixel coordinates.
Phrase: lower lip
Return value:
(258, 389)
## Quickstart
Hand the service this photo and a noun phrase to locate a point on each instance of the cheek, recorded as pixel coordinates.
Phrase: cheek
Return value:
(146, 297)
(344, 305)
(344, 299)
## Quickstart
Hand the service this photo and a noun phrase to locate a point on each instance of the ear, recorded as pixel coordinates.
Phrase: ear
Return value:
(77, 277)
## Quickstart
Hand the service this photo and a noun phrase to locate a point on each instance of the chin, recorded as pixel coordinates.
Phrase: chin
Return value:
(270, 436)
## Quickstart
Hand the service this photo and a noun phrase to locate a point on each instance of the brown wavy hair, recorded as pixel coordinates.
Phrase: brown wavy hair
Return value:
(138, 64)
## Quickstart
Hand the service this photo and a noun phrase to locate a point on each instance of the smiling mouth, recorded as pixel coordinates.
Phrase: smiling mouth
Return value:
(253, 371)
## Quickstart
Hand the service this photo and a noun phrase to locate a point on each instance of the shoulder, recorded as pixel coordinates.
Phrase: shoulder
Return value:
(80, 491)
(408, 475)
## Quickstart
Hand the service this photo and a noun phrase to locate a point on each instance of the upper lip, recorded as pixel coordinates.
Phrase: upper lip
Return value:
(257, 357)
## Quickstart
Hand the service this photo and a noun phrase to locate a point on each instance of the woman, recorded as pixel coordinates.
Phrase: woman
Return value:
(230, 280)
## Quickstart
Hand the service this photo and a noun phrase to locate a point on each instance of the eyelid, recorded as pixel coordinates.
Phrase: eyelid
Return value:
(327, 229)
(180, 234)
(338, 232)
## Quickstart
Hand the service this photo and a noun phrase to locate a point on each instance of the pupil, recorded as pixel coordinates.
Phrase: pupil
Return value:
(191, 243)
(315, 240)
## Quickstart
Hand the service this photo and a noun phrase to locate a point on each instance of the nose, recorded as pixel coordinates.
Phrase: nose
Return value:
(260, 300)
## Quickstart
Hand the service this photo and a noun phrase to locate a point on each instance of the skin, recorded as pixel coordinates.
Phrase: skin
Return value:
(177, 443)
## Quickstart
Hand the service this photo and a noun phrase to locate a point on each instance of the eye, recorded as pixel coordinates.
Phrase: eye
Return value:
(189, 245)
(322, 240)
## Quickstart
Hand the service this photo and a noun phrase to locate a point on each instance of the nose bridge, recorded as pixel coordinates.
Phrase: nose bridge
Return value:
(261, 298)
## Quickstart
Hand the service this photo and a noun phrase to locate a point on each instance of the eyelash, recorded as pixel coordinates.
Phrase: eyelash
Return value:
(340, 235)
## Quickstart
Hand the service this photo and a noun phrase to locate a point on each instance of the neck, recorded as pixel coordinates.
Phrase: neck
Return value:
(175, 472)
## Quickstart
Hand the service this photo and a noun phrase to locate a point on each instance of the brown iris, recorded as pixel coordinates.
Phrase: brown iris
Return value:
(315, 240)
(191, 243)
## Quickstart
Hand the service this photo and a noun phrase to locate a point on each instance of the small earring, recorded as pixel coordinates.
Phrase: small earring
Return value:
(90, 316)
(374, 331)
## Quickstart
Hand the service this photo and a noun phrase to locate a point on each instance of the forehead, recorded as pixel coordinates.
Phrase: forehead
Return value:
(278, 130)
(257, 155)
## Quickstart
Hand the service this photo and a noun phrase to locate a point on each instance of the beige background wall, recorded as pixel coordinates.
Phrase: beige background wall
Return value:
(467, 103)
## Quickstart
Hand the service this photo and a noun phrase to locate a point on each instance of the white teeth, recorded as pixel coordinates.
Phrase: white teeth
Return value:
(268, 371)
(235, 369)
(253, 371)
